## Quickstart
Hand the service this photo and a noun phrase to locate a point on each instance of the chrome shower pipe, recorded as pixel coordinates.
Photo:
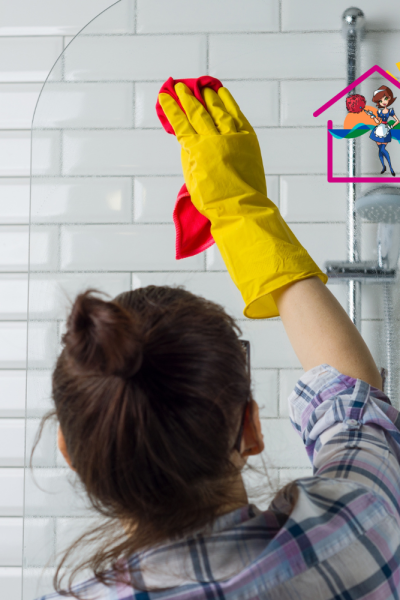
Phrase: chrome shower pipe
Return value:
(353, 233)
(388, 255)
(392, 376)
(353, 28)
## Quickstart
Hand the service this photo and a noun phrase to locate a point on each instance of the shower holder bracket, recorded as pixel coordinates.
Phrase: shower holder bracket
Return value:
(366, 272)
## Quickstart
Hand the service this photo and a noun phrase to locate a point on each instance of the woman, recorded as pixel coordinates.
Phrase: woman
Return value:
(153, 398)
(383, 97)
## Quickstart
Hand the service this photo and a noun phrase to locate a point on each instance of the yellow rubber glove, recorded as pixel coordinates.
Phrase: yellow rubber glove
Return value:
(224, 173)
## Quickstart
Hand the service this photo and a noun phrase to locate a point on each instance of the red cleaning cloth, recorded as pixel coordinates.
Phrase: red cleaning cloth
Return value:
(193, 230)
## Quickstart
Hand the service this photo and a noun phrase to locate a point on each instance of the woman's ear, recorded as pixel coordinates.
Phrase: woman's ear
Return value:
(62, 446)
(252, 439)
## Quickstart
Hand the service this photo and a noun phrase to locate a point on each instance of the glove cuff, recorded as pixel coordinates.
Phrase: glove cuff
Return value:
(263, 306)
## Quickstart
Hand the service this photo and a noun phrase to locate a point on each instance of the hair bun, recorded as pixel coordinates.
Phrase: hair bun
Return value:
(103, 336)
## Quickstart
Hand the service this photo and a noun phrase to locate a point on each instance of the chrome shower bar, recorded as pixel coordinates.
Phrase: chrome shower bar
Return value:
(353, 28)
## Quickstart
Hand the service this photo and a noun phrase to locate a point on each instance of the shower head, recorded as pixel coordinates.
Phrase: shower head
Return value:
(380, 205)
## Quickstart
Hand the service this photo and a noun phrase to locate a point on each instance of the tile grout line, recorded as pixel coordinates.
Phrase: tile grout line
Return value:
(279, 104)
(134, 92)
(133, 201)
(59, 227)
(279, 393)
(63, 60)
(188, 32)
(279, 193)
(135, 11)
(207, 54)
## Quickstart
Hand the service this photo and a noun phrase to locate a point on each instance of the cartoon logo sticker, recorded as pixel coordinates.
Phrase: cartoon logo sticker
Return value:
(380, 121)
(381, 134)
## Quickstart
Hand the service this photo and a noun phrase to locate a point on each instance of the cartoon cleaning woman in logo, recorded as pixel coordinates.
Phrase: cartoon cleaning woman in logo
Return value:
(381, 134)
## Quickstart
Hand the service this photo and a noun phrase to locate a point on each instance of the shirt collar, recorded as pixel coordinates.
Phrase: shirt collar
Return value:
(216, 552)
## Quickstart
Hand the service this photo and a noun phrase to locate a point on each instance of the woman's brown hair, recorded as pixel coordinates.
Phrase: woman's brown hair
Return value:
(149, 390)
(383, 91)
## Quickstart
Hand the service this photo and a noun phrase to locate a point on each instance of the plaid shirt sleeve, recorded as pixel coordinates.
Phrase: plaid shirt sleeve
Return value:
(350, 430)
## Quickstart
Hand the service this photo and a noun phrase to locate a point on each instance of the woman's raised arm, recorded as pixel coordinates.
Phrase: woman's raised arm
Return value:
(320, 331)
(224, 174)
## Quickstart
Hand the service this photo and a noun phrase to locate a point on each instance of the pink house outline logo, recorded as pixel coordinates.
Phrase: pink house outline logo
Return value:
(324, 107)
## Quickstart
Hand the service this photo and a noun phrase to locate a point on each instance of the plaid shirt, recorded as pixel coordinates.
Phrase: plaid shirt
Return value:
(342, 539)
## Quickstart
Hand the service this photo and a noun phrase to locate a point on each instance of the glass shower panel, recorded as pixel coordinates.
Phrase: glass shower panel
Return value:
(104, 180)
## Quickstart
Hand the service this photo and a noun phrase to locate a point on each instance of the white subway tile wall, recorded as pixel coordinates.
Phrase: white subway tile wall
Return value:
(46, 17)
(303, 197)
(17, 103)
(311, 15)
(12, 442)
(14, 200)
(135, 58)
(106, 180)
(175, 16)
(11, 581)
(107, 200)
(299, 99)
(14, 153)
(122, 247)
(277, 56)
(28, 59)
(12, 393)
(292, 151)
(154, 198)
(11, 530)
(86, 105)
(281, 446)
(11, 493)
(133, 152)
(39, 540)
